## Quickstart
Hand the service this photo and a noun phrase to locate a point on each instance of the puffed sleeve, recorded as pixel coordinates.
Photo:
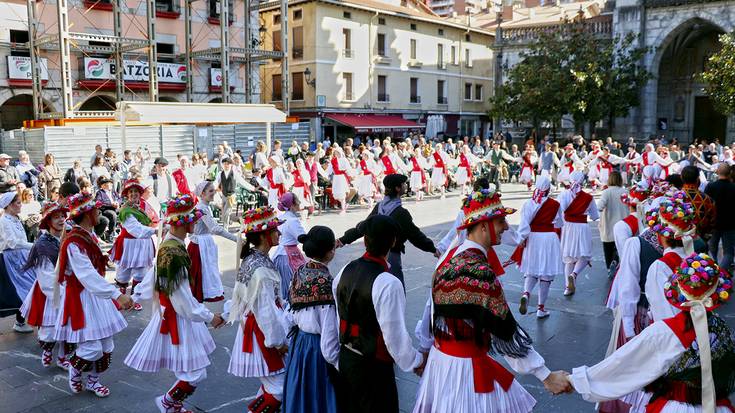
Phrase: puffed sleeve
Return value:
(628, 288)
(88, 275)
(187, 306)
(268, 316)
(329, 342)
(136, 229)
(46, 275)
(658, 275)
(216, 228)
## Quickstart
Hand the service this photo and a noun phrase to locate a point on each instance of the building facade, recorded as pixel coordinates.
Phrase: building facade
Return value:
(372, 68)
(446, 8)
(93, 70)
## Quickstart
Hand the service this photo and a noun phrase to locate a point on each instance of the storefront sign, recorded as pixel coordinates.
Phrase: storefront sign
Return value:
(19, 67)
(135, 70)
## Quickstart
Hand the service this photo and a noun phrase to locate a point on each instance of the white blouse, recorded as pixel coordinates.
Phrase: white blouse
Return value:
(207, 225)
(290, 231)
(658, 274)
(12, 234)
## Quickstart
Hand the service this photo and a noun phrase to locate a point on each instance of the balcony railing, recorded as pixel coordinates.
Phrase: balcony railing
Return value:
(348, 53)
(521, 35)
(442, 100)
(415, 99)
(297, 53)
(383, 97)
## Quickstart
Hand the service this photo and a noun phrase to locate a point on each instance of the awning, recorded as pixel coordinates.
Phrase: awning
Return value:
(188, 113)
(372, 123)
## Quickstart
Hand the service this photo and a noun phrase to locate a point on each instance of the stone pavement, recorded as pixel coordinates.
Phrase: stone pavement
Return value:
(576, 333)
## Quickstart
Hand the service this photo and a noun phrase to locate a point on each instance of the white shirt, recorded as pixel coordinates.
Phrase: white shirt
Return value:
(207, 225)
(658, 275)
(88, 276)
(528, 212)
(290, 231)
(136, 229)
(322, 320)
(621, 233)
(12, 234)
(389, 302)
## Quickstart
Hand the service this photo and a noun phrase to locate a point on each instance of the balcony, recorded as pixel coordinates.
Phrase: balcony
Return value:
(441, 65)
(602, 27)
(168, 9)
(297, 53)
(383, 60)
(414, 63)
(348, 53)
(416, 100)
(442, 100)
(383, 98)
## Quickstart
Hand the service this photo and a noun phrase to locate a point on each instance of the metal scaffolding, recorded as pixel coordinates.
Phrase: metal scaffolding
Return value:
(65, 40)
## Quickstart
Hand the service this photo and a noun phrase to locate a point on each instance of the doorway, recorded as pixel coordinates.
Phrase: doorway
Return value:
(709, 124)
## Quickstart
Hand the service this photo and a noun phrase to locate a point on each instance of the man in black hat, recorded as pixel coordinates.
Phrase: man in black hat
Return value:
(395, 187)
(164, 187)
(372, 328)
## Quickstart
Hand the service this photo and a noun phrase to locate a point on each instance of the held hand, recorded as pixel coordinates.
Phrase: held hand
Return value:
(338, 244)
(419, 371)
(125, 302)
(283, 349)
(217, 321)
(557, 383)
(437, 254)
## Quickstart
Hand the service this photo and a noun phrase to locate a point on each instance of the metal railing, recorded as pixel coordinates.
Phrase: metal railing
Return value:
(521, 35)
(383, 97)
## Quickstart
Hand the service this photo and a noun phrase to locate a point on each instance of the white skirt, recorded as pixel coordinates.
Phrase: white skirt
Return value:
(244, 364)
(340, 187)
(639, 399)
(542, 256)
(526, 175)
(298, 191)
(565, 175)
(272, 198)
(576, 242)
(101, 319)
(211, 275)
(365, 187)
(447, 386)
(153, 351)
(603, 176)
(462, 175)
(593, 173)
(416, 181)
(437, 177)
(49, 312)
(137, 253)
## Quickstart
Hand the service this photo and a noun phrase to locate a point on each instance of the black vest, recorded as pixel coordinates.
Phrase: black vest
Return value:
(358, 323)
(650, 252)
(227, 183)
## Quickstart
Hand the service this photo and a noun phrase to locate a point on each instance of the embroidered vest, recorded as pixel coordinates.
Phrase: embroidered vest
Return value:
(651, 250)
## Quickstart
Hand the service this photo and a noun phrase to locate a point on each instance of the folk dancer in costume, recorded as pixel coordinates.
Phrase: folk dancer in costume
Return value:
(528, 159)
(677, 375)
(176, 337)
(134, 249)
(314, 349)
(456, 236)
(539, 257)
(604, 165)
(204, 273)
(226, 182)
(14, 282)
(464, 175)
(576, 236)
(257, 308)
(591, 160)
(466, 317)
(276, 182)
(439, 170)
(496, 159)
(287, 256)
(88, 315)
(367, 170)
(386, 162)
(302, 187)
(568, 162)
(631, 169)
(418, 176)
(630, 226)
(547, 161)
(38, 308)
(649, 158)
(668, 166)
(372, 331)
(340, 170)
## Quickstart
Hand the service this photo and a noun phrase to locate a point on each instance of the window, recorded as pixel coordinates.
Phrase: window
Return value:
(165, 52)
(382, 86)
(167, 6)
(381, 21)
(276, 88)
(441, 32)
(413, 26)
(215, 10)
(18, 38)
(381, 44)
(413, 49)
(277, 40)
(441, 95)
(347, 39)
(347, 78)
(453, 55)
(415, 98)
(440, 56)
(478, 92)
(468, 91)
(467, 38)
(297, 86)
(467, 58)
(276, 19)
(347, 15)
(297, 14)
(297, 50)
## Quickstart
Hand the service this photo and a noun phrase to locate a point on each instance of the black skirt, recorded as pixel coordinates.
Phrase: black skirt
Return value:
(366, 385)
(9, 301)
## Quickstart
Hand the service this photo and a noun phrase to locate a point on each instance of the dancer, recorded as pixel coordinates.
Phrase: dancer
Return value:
(276, 182)
(528, 159)
(134, 249)
(495, 159)
(38, 308)
(314, 350)
(205, 276)
(370, 305)
(677, 375)
(567, 163)
(464, 170)
(455, 236)
(339, 168)
(176, 338)
(302, 187)
(539, 257)
(576, 236)
(287, 256)
(418, 177)
(439, 174)
(630, 226)
(257, 308)
(14, 282)
(466, 317)
(366, 179)
(87, 316)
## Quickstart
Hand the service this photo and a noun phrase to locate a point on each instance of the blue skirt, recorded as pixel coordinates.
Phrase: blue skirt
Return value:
(308, 388)
(15, 260)
(9, 300)
(284, 269)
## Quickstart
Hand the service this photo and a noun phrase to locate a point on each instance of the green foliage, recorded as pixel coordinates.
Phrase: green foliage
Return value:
(720, 75)
(572, 70)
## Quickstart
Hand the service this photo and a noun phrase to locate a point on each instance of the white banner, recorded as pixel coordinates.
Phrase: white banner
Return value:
(19, 67)
(95, 68)
(215, 77)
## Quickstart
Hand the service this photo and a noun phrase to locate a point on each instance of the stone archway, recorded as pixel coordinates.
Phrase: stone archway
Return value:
(98, 103)
(17, 109)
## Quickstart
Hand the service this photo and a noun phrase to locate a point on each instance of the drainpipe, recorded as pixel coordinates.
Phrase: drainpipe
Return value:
(371, 63)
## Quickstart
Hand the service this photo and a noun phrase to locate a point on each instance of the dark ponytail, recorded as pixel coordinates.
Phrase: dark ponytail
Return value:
(251, 239)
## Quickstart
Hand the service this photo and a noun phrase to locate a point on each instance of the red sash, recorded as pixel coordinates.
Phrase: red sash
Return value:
(666, 170)
(576, 211)
(364, 168)
(168, 321)
(632, 222)
(439, 163)
(672, 260)
(273, 358)
(38, 306)
(485, 370)
(271, 181)
(388, 164)
(417, 168)
(543, 221)
(299, 182)
(603, 163)
(337, 170)
(646, 161)
(569, 165)
(527, 162)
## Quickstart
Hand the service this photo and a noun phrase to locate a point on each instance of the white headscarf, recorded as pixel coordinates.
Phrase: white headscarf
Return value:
(201, 186)
(577, 179)
(7, 198)
(543, 185)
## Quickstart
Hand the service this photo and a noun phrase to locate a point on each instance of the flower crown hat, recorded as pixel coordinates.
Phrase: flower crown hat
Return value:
(182, 210)
(260, 219)
(638, 194)
(674, 218)
(81, 203)
(131, 184)
(483, 205)
(49, 209)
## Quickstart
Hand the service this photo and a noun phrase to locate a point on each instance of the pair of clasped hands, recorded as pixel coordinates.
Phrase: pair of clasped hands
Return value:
(126, 303)
(558, 382)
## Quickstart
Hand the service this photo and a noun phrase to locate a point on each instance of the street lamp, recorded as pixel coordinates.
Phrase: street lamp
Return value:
(309, 81)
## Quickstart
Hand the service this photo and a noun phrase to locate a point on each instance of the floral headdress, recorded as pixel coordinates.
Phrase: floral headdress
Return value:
(674, 218)
(50, 208)
(82, 203)
(483, 205)
(181, 211)
(260, 219)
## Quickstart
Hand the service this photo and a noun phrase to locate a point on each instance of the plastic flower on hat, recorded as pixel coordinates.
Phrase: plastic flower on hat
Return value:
(698, 278)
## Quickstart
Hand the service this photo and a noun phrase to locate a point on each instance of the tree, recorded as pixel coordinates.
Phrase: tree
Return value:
(720, 76)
